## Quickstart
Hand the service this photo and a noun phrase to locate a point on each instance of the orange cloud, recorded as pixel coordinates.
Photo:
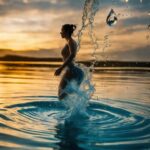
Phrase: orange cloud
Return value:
(33, 29)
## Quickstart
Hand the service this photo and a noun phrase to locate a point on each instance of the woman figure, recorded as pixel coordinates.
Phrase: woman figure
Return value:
(68, 53)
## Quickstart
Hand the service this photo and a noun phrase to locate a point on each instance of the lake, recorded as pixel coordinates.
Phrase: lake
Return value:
(31, 114)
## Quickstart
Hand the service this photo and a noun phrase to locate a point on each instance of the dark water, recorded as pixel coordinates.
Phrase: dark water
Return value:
(31, 117)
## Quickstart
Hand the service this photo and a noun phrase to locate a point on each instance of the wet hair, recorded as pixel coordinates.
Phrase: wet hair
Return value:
(69, 28)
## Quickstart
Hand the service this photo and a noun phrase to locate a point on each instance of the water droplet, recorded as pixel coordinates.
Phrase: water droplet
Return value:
(111, 18)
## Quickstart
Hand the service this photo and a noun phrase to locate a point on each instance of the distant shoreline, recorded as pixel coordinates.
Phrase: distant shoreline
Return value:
(55, 62)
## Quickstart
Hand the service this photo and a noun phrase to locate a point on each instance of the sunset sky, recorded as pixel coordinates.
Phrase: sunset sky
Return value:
(34, 25)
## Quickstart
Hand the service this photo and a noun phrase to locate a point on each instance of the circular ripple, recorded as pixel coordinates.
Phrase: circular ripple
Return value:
(111, 125)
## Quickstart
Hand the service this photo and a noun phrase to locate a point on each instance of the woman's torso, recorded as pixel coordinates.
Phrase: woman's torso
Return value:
(66, 53)
(72, 71)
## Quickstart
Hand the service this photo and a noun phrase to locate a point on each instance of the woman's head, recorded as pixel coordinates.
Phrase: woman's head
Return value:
(67, 30)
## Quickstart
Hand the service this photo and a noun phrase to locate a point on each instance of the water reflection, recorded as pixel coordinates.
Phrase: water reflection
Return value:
(68, 134)
(116, 83)
(32, 91)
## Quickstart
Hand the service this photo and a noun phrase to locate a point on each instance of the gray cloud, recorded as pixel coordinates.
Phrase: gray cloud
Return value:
(18, 5)
(138, 54)
(136, 4)
(136, 20)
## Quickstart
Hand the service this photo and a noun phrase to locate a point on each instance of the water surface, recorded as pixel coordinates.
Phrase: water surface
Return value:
(31, 117)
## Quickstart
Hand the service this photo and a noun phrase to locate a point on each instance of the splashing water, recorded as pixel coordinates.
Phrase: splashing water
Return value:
(111, 18)
(78, 100)
(89, 11)
(79, 96)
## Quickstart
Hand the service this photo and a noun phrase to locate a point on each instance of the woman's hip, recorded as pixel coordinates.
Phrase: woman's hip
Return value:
(76, 73)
